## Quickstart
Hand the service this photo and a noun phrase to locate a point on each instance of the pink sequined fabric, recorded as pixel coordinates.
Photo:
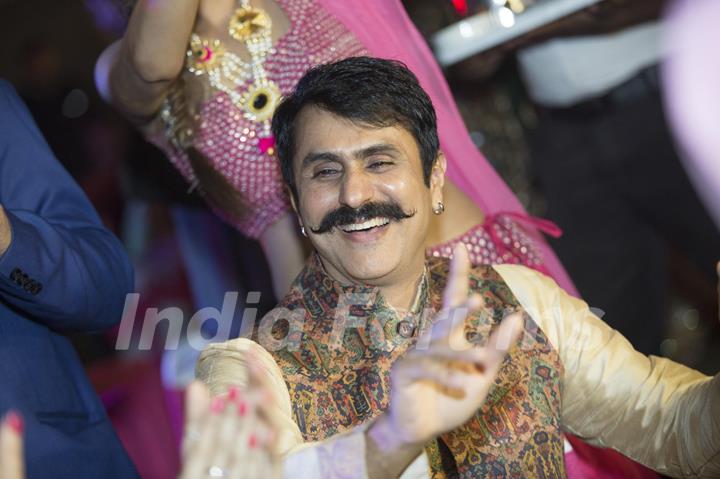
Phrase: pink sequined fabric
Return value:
(231, 142)
(500, 239)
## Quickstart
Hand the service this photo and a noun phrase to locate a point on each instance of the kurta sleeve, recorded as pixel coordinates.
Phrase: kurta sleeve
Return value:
(222, 365)
(653, 410)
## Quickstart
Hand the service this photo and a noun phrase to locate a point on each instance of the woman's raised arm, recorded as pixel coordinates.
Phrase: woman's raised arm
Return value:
(135, 73)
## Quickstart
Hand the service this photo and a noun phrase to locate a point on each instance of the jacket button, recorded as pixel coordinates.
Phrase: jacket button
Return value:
(406, 329)
(15, 274)
(29, 286)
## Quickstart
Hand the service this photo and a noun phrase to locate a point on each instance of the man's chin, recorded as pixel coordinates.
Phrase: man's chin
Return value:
(371, 270)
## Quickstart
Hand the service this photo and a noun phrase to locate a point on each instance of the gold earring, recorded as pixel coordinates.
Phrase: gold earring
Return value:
(439, 209)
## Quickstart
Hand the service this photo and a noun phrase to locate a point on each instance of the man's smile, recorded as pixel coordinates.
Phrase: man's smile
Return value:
(365, 225)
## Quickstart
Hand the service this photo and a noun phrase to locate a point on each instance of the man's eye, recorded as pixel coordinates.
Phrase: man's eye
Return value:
(377, 165)
(325, 173)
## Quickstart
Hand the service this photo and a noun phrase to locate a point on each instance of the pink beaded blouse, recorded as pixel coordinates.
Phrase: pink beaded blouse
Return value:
(239, 148)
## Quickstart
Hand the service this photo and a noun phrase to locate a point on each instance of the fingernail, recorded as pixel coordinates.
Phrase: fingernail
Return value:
(233, 393)
(242, 408)
(217, 405)
(15, 421)
(252, 441)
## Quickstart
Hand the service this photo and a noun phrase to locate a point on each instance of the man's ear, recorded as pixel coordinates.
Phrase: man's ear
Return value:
(437, 176)
(294, 205)
(292, 200)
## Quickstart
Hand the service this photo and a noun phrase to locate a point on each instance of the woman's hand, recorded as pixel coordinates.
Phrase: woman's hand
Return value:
(12, 464)
(229, 436)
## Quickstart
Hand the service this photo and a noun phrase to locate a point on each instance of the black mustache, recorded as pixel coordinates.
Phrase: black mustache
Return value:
(346, 215)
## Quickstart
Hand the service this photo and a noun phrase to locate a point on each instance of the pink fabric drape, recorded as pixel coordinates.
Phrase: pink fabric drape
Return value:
(385, 29)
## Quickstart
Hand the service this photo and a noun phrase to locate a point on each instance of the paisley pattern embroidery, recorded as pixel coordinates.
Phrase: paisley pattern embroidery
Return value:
(338, 381)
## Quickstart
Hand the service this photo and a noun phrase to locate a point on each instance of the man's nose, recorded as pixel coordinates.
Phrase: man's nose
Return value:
(356, 189)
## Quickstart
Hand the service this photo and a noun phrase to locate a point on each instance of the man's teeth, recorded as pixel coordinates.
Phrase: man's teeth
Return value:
(365, 225)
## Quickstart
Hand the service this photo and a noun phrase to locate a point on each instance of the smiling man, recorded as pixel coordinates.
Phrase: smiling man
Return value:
(369, 172)
(366, 200)
(385, 359)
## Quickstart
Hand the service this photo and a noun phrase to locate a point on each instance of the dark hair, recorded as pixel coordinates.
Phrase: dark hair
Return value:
(369, 91)
(125, 6)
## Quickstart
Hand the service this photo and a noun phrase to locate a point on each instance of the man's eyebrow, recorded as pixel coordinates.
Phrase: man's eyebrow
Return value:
(376, 150)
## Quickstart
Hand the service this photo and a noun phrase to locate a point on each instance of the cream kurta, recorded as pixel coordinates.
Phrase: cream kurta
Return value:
(655, 411)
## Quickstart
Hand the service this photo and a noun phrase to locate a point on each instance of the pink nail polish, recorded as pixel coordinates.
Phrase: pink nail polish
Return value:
(233, 393)
(242, 408)
(217, 405)
(15, 421)
(252, 441)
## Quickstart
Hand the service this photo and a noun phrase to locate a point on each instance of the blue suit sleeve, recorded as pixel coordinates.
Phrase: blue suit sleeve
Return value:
(62, 268)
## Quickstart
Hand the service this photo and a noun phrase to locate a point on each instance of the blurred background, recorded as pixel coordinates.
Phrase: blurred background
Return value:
(49, 51)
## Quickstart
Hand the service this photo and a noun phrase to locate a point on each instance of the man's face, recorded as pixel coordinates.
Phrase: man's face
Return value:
(362, 197)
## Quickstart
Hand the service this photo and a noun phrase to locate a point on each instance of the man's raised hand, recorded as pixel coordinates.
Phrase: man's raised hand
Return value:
(437, 389)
